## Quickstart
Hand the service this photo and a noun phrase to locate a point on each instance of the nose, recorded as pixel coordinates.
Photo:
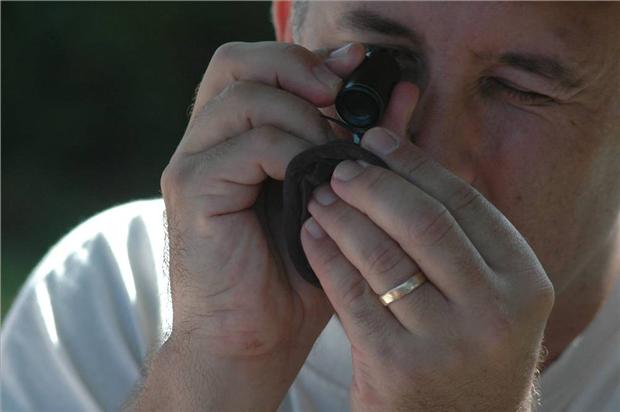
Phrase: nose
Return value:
(445, 126)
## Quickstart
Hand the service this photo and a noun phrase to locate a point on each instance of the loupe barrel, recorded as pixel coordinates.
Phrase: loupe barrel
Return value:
(366, 93)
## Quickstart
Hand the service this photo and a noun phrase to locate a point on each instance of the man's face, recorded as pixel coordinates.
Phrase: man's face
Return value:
(520, 100)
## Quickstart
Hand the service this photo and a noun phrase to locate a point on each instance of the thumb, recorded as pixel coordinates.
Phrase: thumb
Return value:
(399, 111)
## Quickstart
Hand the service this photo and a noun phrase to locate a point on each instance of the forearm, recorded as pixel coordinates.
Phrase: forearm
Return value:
(181, 377)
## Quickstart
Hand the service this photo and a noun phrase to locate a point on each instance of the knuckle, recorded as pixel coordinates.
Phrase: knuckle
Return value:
(539, 298)
(328, 258)
(300, 53)
(463, 197)
(240, 98)
(376, 179)
(342, 216)
(264, 138)
(384, 257)
(415, 162)
(431, 227)
(354, 292)
(172, 179)
(165, 183)
(503, 334)
(545, 294)
(226, 52)
(216, 153)
(238, 90)
(532, 298)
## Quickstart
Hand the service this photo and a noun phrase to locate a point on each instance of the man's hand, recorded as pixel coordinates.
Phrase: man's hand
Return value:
(467, 339)
(242, 326)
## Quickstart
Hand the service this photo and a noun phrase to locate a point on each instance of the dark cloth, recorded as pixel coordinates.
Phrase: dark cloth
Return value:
(304, 173)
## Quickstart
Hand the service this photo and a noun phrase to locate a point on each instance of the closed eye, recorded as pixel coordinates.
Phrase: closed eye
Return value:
(493, 86)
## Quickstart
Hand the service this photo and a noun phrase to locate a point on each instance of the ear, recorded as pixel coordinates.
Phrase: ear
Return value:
(280, 15)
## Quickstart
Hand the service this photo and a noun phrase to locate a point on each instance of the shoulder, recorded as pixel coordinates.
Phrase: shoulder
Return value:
(117, 226)
(89, 313)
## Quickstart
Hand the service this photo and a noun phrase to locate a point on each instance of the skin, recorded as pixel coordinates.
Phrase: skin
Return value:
(551, 170)
(517, 199)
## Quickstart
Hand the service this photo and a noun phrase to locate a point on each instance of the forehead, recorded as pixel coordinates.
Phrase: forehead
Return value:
(560, 28)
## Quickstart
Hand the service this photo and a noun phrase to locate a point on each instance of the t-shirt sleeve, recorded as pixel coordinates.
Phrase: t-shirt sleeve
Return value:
(89, 315)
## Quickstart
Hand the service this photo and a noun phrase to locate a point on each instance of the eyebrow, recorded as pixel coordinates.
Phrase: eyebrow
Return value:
(364, 20)
(545, 66)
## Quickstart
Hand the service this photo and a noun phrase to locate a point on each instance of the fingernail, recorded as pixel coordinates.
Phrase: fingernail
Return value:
(380, 141)
(347, 170)
(326, 76)
(314, 229)
(340, 52)
(324, 195)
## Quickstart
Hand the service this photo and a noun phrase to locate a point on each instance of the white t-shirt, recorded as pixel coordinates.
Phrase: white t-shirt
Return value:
(98, 304)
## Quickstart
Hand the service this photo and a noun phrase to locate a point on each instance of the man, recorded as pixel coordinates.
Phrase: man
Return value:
(502, 200)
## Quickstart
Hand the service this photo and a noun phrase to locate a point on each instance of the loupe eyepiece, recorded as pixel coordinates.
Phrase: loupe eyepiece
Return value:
(366, 93)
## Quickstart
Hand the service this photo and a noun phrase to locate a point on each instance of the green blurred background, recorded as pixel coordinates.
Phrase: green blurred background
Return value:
(94, 101)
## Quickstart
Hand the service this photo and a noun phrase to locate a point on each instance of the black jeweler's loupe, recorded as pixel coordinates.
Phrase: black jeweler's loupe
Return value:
(366, 92)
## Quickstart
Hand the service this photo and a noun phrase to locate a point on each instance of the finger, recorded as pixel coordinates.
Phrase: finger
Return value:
(367, 323)
(422, 226)
(283, 65)
(229, 174)
(497, 241)
(344, 60)
(380, 260)
(397, 116)
(245, 105)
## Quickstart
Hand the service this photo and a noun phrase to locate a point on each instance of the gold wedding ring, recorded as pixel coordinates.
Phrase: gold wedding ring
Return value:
(403, 289)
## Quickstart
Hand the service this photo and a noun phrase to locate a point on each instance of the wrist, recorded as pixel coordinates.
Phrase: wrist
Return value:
(184, 376)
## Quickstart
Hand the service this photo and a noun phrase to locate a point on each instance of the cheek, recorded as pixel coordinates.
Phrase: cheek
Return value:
(534, 173)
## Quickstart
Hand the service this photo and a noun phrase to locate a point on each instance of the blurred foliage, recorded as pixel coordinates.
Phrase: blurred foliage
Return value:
(94, 101)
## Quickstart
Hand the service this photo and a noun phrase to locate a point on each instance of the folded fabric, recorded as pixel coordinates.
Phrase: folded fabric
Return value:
(304, 173)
